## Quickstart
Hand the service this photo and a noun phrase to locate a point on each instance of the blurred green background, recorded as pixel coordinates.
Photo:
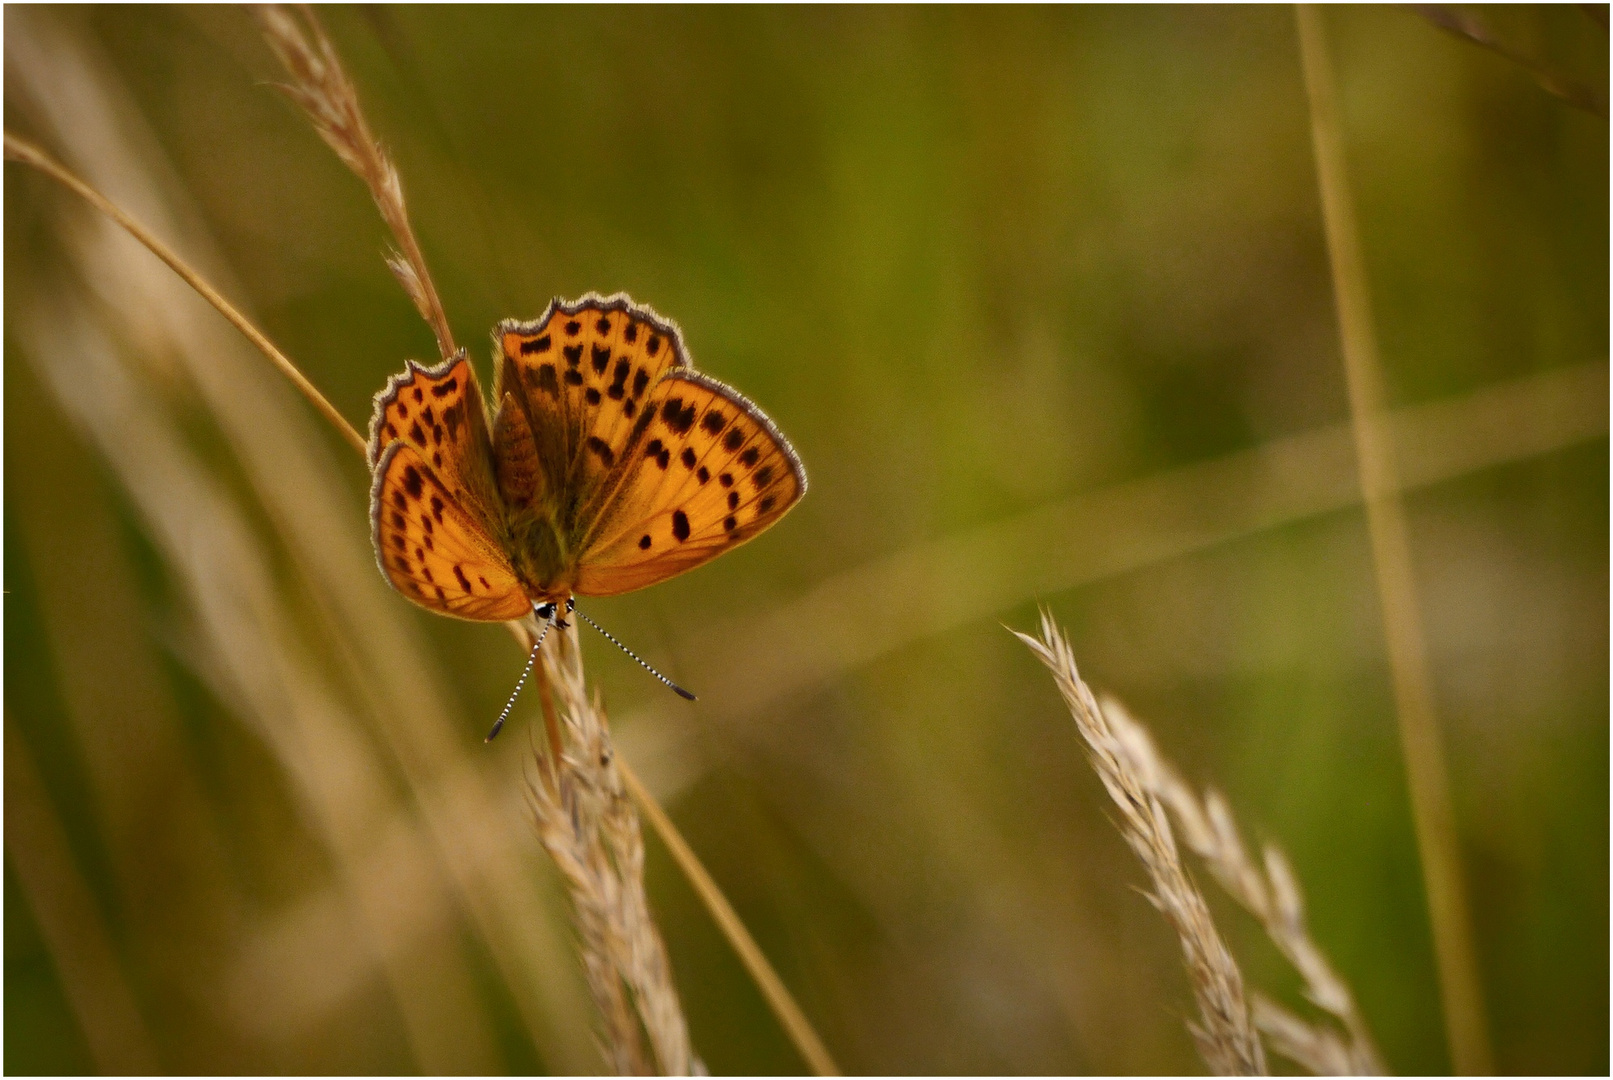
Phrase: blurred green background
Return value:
(1037, 294)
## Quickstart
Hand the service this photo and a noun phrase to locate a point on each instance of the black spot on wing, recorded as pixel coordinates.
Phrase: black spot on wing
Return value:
(443, 389)
(602, 449)
(535, 345)
(678, 416)
(600, 355)
(733, 439)
(713, 421)
(680, 525)
(748, 458)
(412, 482)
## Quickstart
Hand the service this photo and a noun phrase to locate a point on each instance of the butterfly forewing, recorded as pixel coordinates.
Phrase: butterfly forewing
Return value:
(582, 373)
(709, 471)
(433, 550)
(438, 411)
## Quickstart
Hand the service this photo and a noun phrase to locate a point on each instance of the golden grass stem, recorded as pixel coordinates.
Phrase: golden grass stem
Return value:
(1432, 810)
(777, 996)
(20, 150)
(773, 989)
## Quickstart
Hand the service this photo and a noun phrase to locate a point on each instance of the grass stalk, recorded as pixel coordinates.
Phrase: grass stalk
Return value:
(27, 153)
(773, 989)
(1427, 775)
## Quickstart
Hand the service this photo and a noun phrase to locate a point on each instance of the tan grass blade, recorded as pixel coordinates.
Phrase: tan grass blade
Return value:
(1461, 988)
(80, 947)
(1225, 1032)
(911, 594)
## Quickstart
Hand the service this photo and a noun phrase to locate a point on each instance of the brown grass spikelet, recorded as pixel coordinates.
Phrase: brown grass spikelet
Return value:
(1225, 1032)
(1152, 795)
(321, 87)
(586, 821)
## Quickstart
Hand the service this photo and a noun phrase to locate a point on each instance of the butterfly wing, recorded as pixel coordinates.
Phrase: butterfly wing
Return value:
(581, 374)
(431, 549)
(709, 471)
(439, 412)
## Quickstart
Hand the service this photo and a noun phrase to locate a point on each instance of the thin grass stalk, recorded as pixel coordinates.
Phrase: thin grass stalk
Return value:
(1225, 1032)
(796, 1026)
(1271, 893)
(1433, 814)
(19, 150)
(1467, 27)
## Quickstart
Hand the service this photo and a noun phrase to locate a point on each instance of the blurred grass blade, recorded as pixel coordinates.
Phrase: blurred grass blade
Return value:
(80, 947)
(1438, 841)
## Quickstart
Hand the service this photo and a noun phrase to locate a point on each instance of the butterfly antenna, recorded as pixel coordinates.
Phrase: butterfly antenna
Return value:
(498, 725)
(676, 689)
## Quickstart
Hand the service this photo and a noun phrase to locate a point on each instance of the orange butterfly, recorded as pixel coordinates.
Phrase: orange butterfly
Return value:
(609, 464)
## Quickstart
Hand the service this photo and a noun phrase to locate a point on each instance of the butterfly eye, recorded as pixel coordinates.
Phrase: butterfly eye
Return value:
(545, 611)
(571, 604)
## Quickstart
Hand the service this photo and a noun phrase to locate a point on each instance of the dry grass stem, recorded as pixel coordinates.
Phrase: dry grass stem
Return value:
(1427, 776)
(586, 822)
(773, 989)
(322, 88)
(1225, 1032)
(1271, 893)
(1461, 24)
(26, 153)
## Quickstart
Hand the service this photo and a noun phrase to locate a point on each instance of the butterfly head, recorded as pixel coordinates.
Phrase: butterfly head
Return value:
(551, 609)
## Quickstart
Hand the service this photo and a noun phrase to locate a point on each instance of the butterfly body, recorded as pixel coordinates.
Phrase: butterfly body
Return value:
(608, 464)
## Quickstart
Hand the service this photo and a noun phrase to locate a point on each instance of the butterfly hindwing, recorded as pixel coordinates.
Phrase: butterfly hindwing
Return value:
(709, 471)
(583, 373)
(439, 412)
(431, 548)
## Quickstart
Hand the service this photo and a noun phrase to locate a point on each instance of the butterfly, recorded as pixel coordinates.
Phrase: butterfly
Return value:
(606, 464)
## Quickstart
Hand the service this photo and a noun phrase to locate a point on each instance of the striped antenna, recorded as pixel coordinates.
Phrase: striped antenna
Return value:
(498, 725)
(676, 689)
